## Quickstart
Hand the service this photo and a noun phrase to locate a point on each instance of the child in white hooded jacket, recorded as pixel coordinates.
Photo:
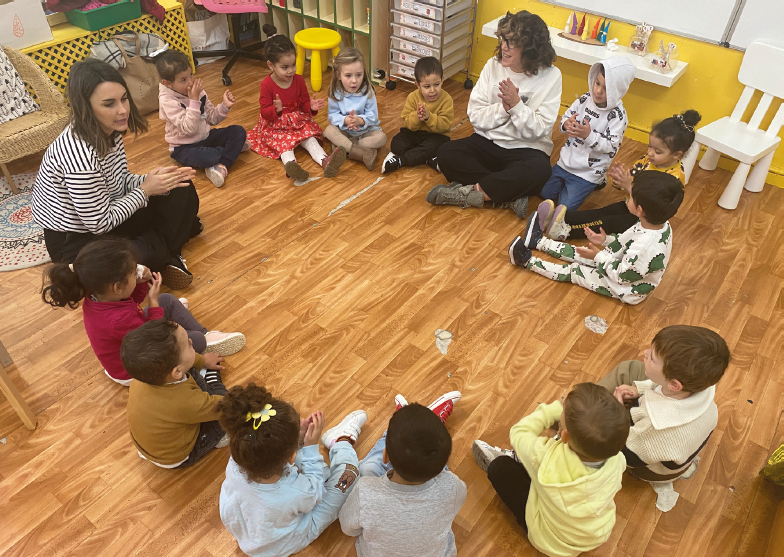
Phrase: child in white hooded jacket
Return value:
(595, 124)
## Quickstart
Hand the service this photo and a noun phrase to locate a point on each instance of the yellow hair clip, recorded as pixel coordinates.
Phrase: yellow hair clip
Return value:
(261, 416)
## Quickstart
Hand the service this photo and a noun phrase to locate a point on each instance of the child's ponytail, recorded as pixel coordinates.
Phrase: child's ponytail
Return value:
(677, 132)
(264, 430)
(276, 46)
(98, 266)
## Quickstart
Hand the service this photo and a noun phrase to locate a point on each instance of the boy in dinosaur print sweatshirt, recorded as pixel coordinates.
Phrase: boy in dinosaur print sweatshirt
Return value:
(631, 264)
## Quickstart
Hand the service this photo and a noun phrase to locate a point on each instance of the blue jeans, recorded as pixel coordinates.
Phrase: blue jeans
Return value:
(567, 189)
(223, 145)
(373, 464)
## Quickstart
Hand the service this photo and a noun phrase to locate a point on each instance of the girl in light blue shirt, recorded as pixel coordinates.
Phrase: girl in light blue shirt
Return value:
(279, 494)
(353, 111)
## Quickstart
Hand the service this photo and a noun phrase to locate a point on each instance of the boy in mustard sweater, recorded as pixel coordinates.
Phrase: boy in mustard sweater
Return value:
(171, 407)
(561, 489)
(428, 115)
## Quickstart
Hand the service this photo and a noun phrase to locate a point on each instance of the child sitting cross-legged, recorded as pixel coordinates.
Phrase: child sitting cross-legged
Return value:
(670, 395)
(427, 116)
(279, 495)
(405, 500)
(171, 406)
(561, 488)
(188, 114)
(631, 264)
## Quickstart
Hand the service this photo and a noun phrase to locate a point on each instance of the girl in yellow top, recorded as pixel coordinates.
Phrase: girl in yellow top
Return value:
(668, 142)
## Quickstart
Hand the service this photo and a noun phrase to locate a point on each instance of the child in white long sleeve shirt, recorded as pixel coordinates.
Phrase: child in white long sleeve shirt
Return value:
(279, 495)
(595, 124)
(631, 264)
(353, 110)
(189, 115)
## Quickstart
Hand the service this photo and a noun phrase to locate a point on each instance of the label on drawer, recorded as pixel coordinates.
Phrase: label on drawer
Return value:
(417, 48)
(418, 8)
(416, 22)
(416, 35)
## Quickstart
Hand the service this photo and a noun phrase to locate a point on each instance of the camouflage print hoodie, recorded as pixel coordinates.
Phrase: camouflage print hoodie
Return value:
(633, 263)
(590, 158)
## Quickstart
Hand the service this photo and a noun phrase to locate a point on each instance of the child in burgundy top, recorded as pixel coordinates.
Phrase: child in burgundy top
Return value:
(286, 116)
(105, 274)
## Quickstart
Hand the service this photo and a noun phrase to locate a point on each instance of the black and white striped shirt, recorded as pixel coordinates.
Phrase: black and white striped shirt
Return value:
(76, 191)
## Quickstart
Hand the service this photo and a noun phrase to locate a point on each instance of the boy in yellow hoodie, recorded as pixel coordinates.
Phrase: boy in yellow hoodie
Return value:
(428, 115)
(561, 488)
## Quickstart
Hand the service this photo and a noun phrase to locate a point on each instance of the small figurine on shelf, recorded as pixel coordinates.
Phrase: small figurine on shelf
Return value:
(603, 32)
(639, 41)
(568, 26)
(574, 24)
(666, 58)
(596, 28)
(581, 28)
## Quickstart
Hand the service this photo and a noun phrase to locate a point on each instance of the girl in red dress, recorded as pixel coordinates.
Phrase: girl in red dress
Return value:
(286, 118)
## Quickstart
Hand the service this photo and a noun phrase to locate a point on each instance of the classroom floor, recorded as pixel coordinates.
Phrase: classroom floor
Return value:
(339, 286)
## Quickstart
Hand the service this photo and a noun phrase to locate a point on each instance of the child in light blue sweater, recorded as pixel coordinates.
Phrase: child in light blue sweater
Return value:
(353, 111)
(279, 495)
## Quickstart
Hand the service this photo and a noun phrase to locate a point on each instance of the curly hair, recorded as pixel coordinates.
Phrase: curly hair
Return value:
(530, 34)
(263, 452)
(677, 132)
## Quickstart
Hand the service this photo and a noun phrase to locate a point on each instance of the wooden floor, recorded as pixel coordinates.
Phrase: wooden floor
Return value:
(340, 301)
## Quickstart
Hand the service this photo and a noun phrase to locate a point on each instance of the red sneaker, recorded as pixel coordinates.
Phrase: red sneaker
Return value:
(400, 402)
(443, 405)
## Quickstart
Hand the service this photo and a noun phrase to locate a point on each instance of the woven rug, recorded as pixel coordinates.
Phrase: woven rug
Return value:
(21, 239)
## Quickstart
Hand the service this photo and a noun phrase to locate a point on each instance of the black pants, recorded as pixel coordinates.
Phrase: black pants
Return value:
(512, 483)
(614, 219)
(210, 433)
(415, 147)
(223, 145)
(157, 231)
(503, 174)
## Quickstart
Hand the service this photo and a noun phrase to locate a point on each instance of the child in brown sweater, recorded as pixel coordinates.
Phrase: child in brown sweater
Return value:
(428, 115)
(171, 406)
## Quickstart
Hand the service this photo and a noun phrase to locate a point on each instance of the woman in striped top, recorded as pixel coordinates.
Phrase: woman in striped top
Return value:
(84, 189)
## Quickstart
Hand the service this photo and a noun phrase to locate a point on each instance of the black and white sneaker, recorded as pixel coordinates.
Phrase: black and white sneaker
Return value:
(391, 163)
(533, 233)
(176, 275)
(433, 163)
(519, 254)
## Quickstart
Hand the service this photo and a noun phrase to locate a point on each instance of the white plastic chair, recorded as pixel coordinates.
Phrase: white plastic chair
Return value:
(763, 69)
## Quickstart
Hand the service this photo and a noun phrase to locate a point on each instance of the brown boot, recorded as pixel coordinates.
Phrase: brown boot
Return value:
(294, 170)
(332, 162)
(364, 154)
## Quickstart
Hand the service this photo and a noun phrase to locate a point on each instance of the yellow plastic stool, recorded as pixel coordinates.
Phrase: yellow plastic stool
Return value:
(315, 39)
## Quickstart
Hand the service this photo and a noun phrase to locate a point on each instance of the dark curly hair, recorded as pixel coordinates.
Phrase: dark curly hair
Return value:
(263, 452)
(276, 46)
(677, 132)
(530, 34)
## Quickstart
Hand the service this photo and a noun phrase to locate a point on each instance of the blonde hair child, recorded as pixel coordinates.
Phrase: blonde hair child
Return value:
(353, 111)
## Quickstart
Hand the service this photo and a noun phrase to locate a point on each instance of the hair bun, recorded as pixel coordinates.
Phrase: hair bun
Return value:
(238, 402)
(691, 117)
(269, 29)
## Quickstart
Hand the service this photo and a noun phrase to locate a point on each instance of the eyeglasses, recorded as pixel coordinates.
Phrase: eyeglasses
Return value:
(506, 40)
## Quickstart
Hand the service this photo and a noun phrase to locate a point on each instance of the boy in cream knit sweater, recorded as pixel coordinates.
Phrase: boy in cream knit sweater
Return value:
(670, 396)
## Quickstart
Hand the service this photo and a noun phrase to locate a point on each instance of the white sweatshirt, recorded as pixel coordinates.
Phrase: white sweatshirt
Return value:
(590, 158)
(529, 124)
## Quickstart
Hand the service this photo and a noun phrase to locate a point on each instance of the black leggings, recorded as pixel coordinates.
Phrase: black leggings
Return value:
(512, 483)
(157, 231)
(614, 219)
(503, 174)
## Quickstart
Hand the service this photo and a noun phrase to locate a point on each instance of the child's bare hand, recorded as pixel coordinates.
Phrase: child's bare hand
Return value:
(425, 113)
(146, 275)
(352, 120)
(278, 104)
(155, 289)
(589, 252)
(213, 361)
(626, 393)
(597, 238)
(317, 104)
(228, 99)
(568, 125)
(195, 88)
(622, 178)
(550, 432)
(578, 129)
(315, 429)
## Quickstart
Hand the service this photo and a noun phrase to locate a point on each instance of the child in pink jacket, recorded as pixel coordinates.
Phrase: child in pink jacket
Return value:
(188, 114)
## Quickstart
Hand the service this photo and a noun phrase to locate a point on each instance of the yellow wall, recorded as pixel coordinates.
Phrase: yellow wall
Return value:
(710, 84)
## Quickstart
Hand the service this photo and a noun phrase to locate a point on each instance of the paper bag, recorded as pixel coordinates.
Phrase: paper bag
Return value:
(209, 34)
(23, 24)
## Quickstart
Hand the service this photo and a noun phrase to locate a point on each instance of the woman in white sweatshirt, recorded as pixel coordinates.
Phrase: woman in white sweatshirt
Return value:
(513, 109)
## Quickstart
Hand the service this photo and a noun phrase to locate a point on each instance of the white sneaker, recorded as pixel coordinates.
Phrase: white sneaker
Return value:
(443, 405)
(559, 231)
(484, 454)
(185, 303)
(350, 426)
(216, 174)
(224, 344)
(400, 402)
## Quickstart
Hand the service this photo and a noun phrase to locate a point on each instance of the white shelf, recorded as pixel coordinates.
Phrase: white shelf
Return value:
(590, 54)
